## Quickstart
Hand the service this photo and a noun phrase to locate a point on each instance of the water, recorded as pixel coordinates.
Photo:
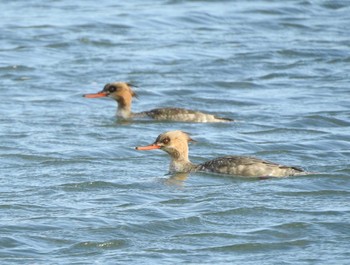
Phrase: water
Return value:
(73, 190)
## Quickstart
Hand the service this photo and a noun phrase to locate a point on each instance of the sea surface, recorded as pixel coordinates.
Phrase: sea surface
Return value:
(74, 191)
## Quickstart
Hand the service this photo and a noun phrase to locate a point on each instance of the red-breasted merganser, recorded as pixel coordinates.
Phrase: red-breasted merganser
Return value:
(175, 143)
(122, 92)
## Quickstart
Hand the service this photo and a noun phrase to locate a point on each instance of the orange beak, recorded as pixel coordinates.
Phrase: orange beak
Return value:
(96, 95)
(148, 147)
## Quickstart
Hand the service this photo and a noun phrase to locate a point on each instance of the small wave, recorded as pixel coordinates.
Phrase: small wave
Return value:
(112, 244)
(258, 247)
(90, 185)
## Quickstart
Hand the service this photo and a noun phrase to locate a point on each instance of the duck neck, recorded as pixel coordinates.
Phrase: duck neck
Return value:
(124, 107)
(180, 162)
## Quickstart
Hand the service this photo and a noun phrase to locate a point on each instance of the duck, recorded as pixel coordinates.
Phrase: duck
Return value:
(122, 93)
(175, 143)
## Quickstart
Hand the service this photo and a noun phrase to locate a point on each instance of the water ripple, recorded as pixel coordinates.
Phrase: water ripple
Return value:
(73, 190)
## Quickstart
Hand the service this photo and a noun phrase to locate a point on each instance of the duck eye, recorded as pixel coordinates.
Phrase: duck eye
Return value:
(166, 141)
(112, 89)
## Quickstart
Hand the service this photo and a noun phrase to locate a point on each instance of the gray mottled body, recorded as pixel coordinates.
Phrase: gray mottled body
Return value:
(248, 166)
(180, 114)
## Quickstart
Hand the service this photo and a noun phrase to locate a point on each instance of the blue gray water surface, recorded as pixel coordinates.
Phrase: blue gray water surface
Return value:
(73, 190)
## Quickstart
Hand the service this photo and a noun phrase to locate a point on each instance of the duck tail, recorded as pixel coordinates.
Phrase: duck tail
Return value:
(224, 119)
